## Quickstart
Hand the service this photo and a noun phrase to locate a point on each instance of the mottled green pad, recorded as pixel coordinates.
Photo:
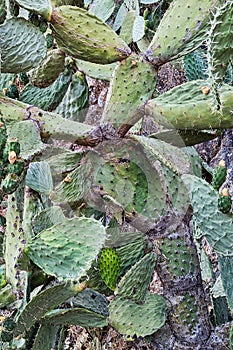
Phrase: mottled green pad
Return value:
(220, 38)
(131, 253)
(130, 318)
(39, 177)
(30, 143)
(96, 71)
(47, 98)
(41, 7)
(226, 268)
(49, 69)
(135, 283)
(45, 337)
(109, 266)
(187, 107)
(47, 218)
(14, 242)
(31, 46)
(91, 300)
(75, 99)
(195, 65)
(76, 316)
(214, 225)
(181, 29)
(73, 245)
(133, 82)
(7, 296)
(43, 302)
(82, 35)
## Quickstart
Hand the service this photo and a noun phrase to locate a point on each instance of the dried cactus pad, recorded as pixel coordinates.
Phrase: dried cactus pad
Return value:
(82, 35)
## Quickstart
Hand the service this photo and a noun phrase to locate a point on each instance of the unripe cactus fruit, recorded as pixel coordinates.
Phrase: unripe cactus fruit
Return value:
(224, 201)
(109, 267)
(219, 175)
(16, 168)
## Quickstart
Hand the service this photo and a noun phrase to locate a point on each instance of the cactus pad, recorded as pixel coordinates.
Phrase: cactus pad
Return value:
(82, 35)
(224, 201)
(31, 46)
(91, 300)
(109, 267)
(135, 283)
(214, 225)
(73, 245)
(133, 82)
(41, 7)
(39, 177)
(187, 107)
(130, 318)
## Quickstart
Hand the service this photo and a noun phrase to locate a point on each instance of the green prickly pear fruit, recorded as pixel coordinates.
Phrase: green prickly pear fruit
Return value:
(109, 267)
(11, 91)
(224, 201)
(43, 25)
(34, 19)
(50, 40)
(219, 175)
(82, 35)
(23, 78)
(16, 168)
(10, 183)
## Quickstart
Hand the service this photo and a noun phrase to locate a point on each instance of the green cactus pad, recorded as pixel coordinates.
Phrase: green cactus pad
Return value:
(41, 7)
(220, 37)
(135, 283)
(96, 71)
(82, 35)
(75, 99)
(109, 267)
(47, 218)
(188, 106)
(79, 316)
(182, 28)
(214, 225)
(74, 246)
(13, 145)
(130, 318)
(49, 69)
(219, 176)
(195, 65)
(7, 296)
(43, 302)
(14, 242)
(91, 300)
(17, 168)
(39, 177)
(45, 336)
(31, 46)
(226, 269)
(131, 253)
(133, 82)
(47, 98)
(30, 143)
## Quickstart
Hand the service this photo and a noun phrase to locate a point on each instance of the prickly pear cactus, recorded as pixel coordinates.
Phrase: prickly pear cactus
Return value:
(82, 35)
(224, 201)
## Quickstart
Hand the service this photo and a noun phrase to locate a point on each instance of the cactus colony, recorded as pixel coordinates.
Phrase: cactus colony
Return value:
(66, 238)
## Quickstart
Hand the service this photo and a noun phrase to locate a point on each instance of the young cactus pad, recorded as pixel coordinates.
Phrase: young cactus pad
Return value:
(82, 35)
(109, 267)
(66, 250)
(130, 318)
(219, 175)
